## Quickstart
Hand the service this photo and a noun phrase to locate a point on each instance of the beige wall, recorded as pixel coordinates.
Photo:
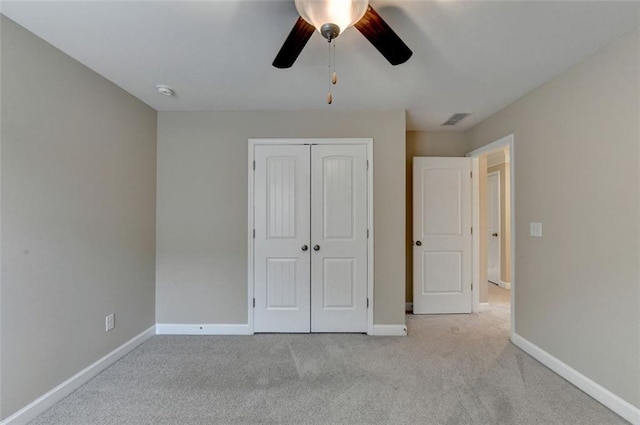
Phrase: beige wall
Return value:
(437, 143)
(505, 234)
(576, 171)
(78, 202)
(423, 143)
(201, 273)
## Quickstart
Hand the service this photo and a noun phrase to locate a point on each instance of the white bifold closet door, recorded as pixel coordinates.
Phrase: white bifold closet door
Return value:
(310, 250)
(339, 230)
(282, 263)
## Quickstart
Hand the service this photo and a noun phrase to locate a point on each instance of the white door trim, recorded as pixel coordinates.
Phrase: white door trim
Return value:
(507, 141)
(250, 216)
(500, 190)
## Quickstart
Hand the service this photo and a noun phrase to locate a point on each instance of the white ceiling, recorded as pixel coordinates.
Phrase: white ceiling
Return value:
(472, 56)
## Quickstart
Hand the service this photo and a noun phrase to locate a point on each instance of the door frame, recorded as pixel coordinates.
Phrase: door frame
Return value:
(500, 190)
(506, 141)
(250, 216)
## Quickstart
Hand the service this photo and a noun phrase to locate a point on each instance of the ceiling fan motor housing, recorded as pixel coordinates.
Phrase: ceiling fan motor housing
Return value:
(330, 31)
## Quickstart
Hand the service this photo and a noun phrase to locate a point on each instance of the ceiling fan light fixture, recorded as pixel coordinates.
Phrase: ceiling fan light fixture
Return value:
(342, 14)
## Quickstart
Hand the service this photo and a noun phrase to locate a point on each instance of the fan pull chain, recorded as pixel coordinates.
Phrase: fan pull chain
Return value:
(332, 67)
(334, 76)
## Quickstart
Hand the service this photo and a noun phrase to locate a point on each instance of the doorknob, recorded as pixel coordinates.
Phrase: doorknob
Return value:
(418, 243)
(304, 247)
(494, 234)
(316, 248)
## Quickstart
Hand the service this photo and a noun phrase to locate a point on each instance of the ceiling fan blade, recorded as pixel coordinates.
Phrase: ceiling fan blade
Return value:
(383, 38)
(293, 45)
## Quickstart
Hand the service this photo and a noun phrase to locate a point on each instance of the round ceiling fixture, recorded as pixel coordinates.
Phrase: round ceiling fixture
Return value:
(165, 90)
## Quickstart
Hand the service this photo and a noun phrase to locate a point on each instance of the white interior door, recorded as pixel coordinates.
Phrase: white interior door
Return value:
(339, 238)
(441, 235)
(281, 246)
(493, 227)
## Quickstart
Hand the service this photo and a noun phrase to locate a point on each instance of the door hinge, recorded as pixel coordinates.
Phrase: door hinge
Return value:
(470, 174)
(254, 165)
(367, 164)
(254, 303)
(367, 233)
(367, 302)
(472, 230)
(471, 289)
(254, 233)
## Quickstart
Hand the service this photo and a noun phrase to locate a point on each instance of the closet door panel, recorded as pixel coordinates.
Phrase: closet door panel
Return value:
(281, 263)
(339, 238)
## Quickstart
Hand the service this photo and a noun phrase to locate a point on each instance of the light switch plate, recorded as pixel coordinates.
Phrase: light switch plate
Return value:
(535, 230)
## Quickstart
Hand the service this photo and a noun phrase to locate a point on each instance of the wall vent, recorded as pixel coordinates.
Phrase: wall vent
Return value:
(456, 118)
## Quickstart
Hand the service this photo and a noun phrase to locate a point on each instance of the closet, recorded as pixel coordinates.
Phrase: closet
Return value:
(310, 236)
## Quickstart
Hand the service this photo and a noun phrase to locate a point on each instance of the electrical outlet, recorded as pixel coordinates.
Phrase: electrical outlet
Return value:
(109, 322)
(535, 230)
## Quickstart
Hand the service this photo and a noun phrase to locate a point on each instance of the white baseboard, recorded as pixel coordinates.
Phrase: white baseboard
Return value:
(389, 330)
(408, 307)
(484, 307)
(203, 329)
(44, 402)
(504, 285)
(595, 390)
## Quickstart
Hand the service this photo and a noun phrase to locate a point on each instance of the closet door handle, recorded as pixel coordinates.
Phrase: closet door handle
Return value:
(316, 248)
(304, 247)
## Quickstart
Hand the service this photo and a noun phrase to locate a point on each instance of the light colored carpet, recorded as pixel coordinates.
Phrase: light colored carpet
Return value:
(498, 296)
(450, 370)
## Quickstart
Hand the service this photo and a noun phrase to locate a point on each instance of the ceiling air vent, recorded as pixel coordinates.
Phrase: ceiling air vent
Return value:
(455, 118)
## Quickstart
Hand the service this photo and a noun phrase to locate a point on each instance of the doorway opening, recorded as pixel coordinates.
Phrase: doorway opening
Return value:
(493, 216)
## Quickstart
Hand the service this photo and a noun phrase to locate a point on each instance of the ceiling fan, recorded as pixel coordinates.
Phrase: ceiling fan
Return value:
(331, 18)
